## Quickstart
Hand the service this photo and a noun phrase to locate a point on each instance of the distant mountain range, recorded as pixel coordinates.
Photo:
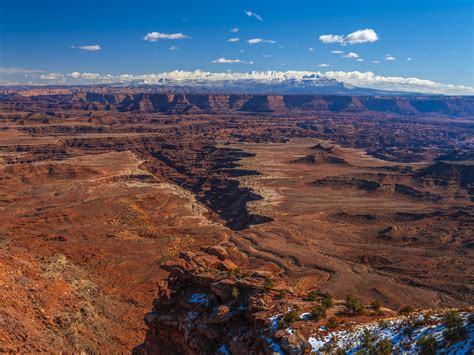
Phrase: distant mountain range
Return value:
(252, 83)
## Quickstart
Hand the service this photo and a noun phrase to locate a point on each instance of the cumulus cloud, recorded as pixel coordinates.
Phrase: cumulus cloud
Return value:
(260, 40)
(351, 55)
(357, 37)
(395, 83)
(253, 14)
(90, 48)
(331, 39)
(223, 60)
(408, 59)
(79, 75)
(233, 39)
(376, 61)
(52, 76)
(390, 57)
(235, 30)
(173, 48)
(361, 36)
(155, 36)
(323, 65)
(311, 49)
(18, 70)
(337, 52)
(359, 59)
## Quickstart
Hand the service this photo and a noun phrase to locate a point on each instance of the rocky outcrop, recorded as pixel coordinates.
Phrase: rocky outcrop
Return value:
(446, 172)
(209, 305)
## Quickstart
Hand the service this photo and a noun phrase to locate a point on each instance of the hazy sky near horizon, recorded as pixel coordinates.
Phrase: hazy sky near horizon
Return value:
(427, 39)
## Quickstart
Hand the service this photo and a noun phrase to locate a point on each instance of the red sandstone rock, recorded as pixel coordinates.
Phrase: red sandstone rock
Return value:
(227, 265)
(218, 251)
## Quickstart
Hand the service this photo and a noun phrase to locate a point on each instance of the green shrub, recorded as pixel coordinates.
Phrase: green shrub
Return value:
(384, 347)
(268, 283)
(455, 329)
(332, 323)
(453, 335)
(312, 296)
(354, 305)
(327, 301)
(452, 319)
(406, 310)
(367, 341)
(427, 345)
(291, 316)
(318, 313)
(375, 305)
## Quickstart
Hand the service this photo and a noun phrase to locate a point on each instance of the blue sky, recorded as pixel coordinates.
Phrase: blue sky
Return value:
(46, 35)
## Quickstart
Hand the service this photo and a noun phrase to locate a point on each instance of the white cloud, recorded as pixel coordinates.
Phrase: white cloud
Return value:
(235, 30)
(18, 70)
(52, 76)
(323, 65)
(91, 48)
(359, 59)
(390, 58)
(311, 49)
(253, 14)
(155, 36)
(408, 59)
(337, 52)
(260, 40)
(223, 60)
(376, 61)
(356, 78)
(331, 39)
(357, 37)
(233, 39)
(351, 55)
(407, 84)
(89, 76)
(173, 48)
(361, 36)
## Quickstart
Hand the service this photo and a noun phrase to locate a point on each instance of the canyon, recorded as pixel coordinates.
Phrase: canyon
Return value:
(369, 195)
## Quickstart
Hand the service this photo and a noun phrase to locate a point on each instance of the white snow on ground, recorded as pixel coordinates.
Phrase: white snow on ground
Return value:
(274, 322)
(199, 298)
(395, 330)
(305, 316)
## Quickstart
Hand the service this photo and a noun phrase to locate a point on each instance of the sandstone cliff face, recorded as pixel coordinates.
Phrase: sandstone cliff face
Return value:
(207, 104)
(176, 104)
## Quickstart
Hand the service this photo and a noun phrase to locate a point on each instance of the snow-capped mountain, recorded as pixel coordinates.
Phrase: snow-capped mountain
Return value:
(270, 82)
